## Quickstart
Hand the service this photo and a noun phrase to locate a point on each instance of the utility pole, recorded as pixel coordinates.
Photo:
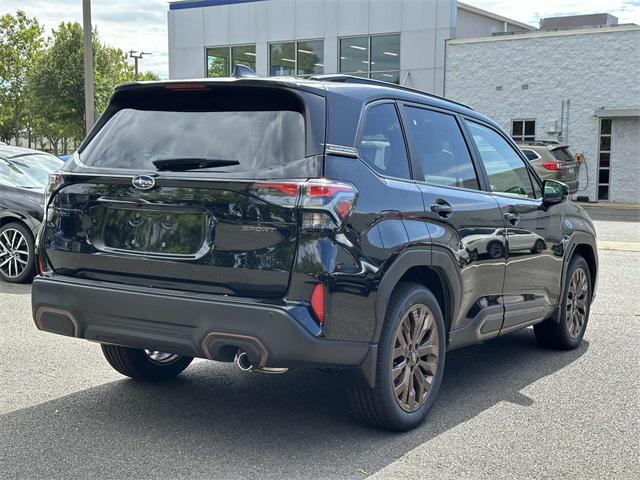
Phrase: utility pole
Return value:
(136, 55)
(89, 100)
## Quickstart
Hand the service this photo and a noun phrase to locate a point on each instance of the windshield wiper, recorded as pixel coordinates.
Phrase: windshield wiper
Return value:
(183, 164)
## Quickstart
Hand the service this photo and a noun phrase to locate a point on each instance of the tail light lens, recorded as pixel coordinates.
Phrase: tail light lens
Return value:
(317, 302)
(552, 165)
(324, 204)
(39, 266)
(280, 193)
(56, 179)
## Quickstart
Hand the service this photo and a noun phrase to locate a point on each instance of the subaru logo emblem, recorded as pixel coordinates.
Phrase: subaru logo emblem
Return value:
(143, 182)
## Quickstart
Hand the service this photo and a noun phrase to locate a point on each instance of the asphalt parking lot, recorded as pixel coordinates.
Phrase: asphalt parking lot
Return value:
(507, 408)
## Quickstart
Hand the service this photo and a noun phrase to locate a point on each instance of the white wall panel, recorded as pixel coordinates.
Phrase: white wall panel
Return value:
(417, 49)
(281, 20)
(418, 14)
(385, 16)
(187, 27)
(309, 19)
(188, 62)
(353, 17)
(216, 25)
(242, 23)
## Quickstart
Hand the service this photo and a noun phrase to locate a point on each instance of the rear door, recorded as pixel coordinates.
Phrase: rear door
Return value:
(534, 231)
(465, 223)
(228, 229)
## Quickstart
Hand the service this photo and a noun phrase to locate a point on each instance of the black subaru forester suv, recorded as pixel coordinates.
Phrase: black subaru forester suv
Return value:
(334, 222)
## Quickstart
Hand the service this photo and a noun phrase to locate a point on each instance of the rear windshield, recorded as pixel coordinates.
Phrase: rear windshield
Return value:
(562, 154)
(133, 139)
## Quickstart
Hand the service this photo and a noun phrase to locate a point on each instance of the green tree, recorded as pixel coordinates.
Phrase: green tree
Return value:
(58, 82)
(21, 44)
(147, 75)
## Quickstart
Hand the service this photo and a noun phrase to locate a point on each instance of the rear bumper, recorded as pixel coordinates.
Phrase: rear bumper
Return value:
(188, 324)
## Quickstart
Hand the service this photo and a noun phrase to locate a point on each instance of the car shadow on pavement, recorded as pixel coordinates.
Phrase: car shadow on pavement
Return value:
(217, 422)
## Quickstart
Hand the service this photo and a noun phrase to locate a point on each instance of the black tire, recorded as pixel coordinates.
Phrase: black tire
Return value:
(379, 406)
(539, 246)
(138, 365)
(29, 270)
(495, 249)
(557, 334)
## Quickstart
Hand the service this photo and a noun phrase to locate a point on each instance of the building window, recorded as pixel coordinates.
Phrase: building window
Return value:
(222, 60)
(376, 57)
(523, 130)
(302, 58)
(604, 159)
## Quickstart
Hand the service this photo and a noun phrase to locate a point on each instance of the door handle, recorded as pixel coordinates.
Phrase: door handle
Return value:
(512, 218)
(442, 209)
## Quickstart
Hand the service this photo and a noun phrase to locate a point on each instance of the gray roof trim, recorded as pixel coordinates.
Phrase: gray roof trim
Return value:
(627, 112)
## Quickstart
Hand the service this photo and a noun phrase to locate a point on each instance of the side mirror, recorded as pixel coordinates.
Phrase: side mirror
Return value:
(554, 192)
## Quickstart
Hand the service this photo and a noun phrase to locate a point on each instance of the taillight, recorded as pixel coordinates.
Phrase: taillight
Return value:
(56, 179)
(552, 165)
(317, 302)
(39, 266)
(323, 204)
(280, 193)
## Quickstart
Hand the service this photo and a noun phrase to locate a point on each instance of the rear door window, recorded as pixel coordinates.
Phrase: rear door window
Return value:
(443, 155)
(382, 144)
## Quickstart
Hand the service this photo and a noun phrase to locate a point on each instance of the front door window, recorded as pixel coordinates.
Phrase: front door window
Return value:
(507, 172)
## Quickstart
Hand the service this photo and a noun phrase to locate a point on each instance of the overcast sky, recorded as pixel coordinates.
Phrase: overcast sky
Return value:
(142, 24)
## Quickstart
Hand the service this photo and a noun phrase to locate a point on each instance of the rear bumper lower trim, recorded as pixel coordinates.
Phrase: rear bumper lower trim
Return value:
(197, 325)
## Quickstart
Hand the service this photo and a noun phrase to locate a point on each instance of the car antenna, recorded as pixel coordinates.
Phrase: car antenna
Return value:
(242, 71)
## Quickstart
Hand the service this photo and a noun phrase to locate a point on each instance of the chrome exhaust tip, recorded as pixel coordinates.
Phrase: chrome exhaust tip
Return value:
(243, 362)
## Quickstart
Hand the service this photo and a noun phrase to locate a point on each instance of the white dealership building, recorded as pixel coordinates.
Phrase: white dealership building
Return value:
(401, 41)
(574, 80)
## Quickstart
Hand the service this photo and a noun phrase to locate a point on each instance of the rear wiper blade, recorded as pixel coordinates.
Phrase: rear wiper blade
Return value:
(183, 164)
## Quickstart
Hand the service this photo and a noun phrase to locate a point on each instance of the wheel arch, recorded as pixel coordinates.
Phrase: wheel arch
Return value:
(433, 269)
(583, 244)
(16, 218)
(587, 252)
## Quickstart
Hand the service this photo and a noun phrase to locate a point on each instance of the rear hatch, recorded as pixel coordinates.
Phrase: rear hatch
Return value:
(175, 188)
(568, 166)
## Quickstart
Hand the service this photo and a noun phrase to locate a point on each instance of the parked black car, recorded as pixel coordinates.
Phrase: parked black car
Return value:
(23, 177)
(333, 222)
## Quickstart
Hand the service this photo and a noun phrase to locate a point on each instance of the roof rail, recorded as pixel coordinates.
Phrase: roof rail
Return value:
(341, 78)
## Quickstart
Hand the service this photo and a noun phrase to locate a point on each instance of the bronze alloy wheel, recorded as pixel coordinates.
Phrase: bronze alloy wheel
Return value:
(577, 302)
(415, 357)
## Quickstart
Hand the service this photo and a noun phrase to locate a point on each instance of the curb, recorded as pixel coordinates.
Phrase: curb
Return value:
(620, 246)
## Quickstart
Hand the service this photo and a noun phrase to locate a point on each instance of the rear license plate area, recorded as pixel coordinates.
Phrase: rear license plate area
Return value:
(154, 232)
